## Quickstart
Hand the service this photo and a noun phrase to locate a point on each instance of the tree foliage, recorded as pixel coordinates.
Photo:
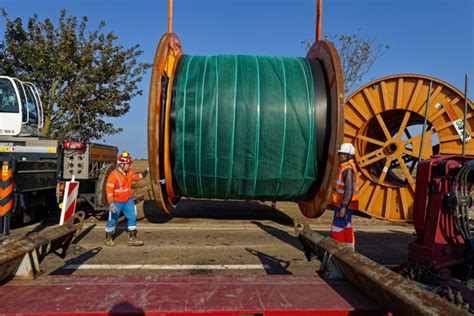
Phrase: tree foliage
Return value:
(84, 76)
(357, 55)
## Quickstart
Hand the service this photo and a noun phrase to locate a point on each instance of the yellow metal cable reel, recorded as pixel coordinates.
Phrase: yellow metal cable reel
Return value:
(384, 121)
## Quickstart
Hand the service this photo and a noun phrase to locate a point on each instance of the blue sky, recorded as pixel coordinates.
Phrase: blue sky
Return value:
(429, 37)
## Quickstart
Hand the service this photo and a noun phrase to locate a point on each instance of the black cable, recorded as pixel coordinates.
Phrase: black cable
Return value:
(457, 224)
(465, 194)
(161, 180)
(459, 195)
(458, 211)
(465, 209)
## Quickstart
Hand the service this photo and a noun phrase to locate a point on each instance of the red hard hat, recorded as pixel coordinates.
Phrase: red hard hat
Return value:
(124, 158)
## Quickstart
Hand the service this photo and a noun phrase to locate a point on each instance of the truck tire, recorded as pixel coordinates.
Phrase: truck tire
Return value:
(100, 187)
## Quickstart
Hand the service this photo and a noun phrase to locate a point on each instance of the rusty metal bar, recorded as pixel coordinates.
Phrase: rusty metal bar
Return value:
(319, 18)
(21, 257)
(464, 131)
(425, 120)
(170, 16)
(392, 291)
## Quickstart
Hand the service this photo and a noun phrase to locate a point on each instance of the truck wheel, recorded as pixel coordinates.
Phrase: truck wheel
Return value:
(100, 187)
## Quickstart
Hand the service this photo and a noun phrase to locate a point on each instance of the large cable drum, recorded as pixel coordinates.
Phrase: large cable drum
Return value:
(384, 119)
(244, 127)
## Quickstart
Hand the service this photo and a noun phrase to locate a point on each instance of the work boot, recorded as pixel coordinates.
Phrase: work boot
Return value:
(109, 239)
(132, 239)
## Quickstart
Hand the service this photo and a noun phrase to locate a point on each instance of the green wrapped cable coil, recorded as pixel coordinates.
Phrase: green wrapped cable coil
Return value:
(245, 127)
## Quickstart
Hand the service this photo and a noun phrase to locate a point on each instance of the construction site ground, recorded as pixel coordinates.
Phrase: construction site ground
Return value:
(212, 238)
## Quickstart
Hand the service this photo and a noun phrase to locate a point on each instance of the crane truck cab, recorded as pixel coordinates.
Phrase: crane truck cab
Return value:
(21, 111)
(40, 166)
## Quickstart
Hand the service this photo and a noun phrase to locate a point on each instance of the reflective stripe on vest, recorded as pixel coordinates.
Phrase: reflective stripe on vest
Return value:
(118, 178)
(338, 191)
(122, 190)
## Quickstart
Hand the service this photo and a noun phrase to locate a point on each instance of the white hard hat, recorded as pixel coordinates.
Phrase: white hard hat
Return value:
(346, 148)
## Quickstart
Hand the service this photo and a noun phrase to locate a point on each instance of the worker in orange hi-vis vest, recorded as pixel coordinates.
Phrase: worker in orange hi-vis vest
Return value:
(345, 196)
(120, 198)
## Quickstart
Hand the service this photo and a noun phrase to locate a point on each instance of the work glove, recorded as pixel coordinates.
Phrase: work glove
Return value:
(112, 207)
(146, 172)
(342, 211)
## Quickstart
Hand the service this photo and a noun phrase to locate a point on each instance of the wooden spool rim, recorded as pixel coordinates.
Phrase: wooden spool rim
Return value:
(166, 58)
(329, 59)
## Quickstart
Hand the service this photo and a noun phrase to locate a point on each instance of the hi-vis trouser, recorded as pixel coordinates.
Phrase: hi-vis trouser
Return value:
(129, 210)
(341, 229)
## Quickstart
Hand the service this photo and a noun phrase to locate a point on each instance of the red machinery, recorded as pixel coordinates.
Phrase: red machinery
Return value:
(442, 254)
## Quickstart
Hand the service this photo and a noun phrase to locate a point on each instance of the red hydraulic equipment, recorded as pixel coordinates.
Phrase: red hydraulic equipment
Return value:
(442, 254)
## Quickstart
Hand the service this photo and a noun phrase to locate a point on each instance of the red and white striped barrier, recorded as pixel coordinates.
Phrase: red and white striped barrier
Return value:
(68, 206)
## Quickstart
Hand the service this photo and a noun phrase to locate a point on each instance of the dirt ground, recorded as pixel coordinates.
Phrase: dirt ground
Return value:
(212, 238)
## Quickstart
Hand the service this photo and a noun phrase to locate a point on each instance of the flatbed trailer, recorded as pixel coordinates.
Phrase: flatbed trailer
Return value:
(347, 283)
(183, 295)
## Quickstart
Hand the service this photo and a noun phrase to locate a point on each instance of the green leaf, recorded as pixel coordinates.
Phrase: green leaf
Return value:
(83, 74)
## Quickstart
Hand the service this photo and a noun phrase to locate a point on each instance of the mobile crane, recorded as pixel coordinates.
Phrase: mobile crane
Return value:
(40, 166)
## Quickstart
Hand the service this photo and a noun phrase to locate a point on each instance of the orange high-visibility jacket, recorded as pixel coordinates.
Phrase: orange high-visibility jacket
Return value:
(338, 190)
(119, 185)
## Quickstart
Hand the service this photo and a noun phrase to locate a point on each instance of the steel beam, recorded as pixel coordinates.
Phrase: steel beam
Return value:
(21, 257)
(392, 291)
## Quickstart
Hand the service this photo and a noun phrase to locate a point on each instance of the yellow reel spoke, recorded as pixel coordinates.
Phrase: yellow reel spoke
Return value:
(370, 140)
(383, 126)
(371, 157)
